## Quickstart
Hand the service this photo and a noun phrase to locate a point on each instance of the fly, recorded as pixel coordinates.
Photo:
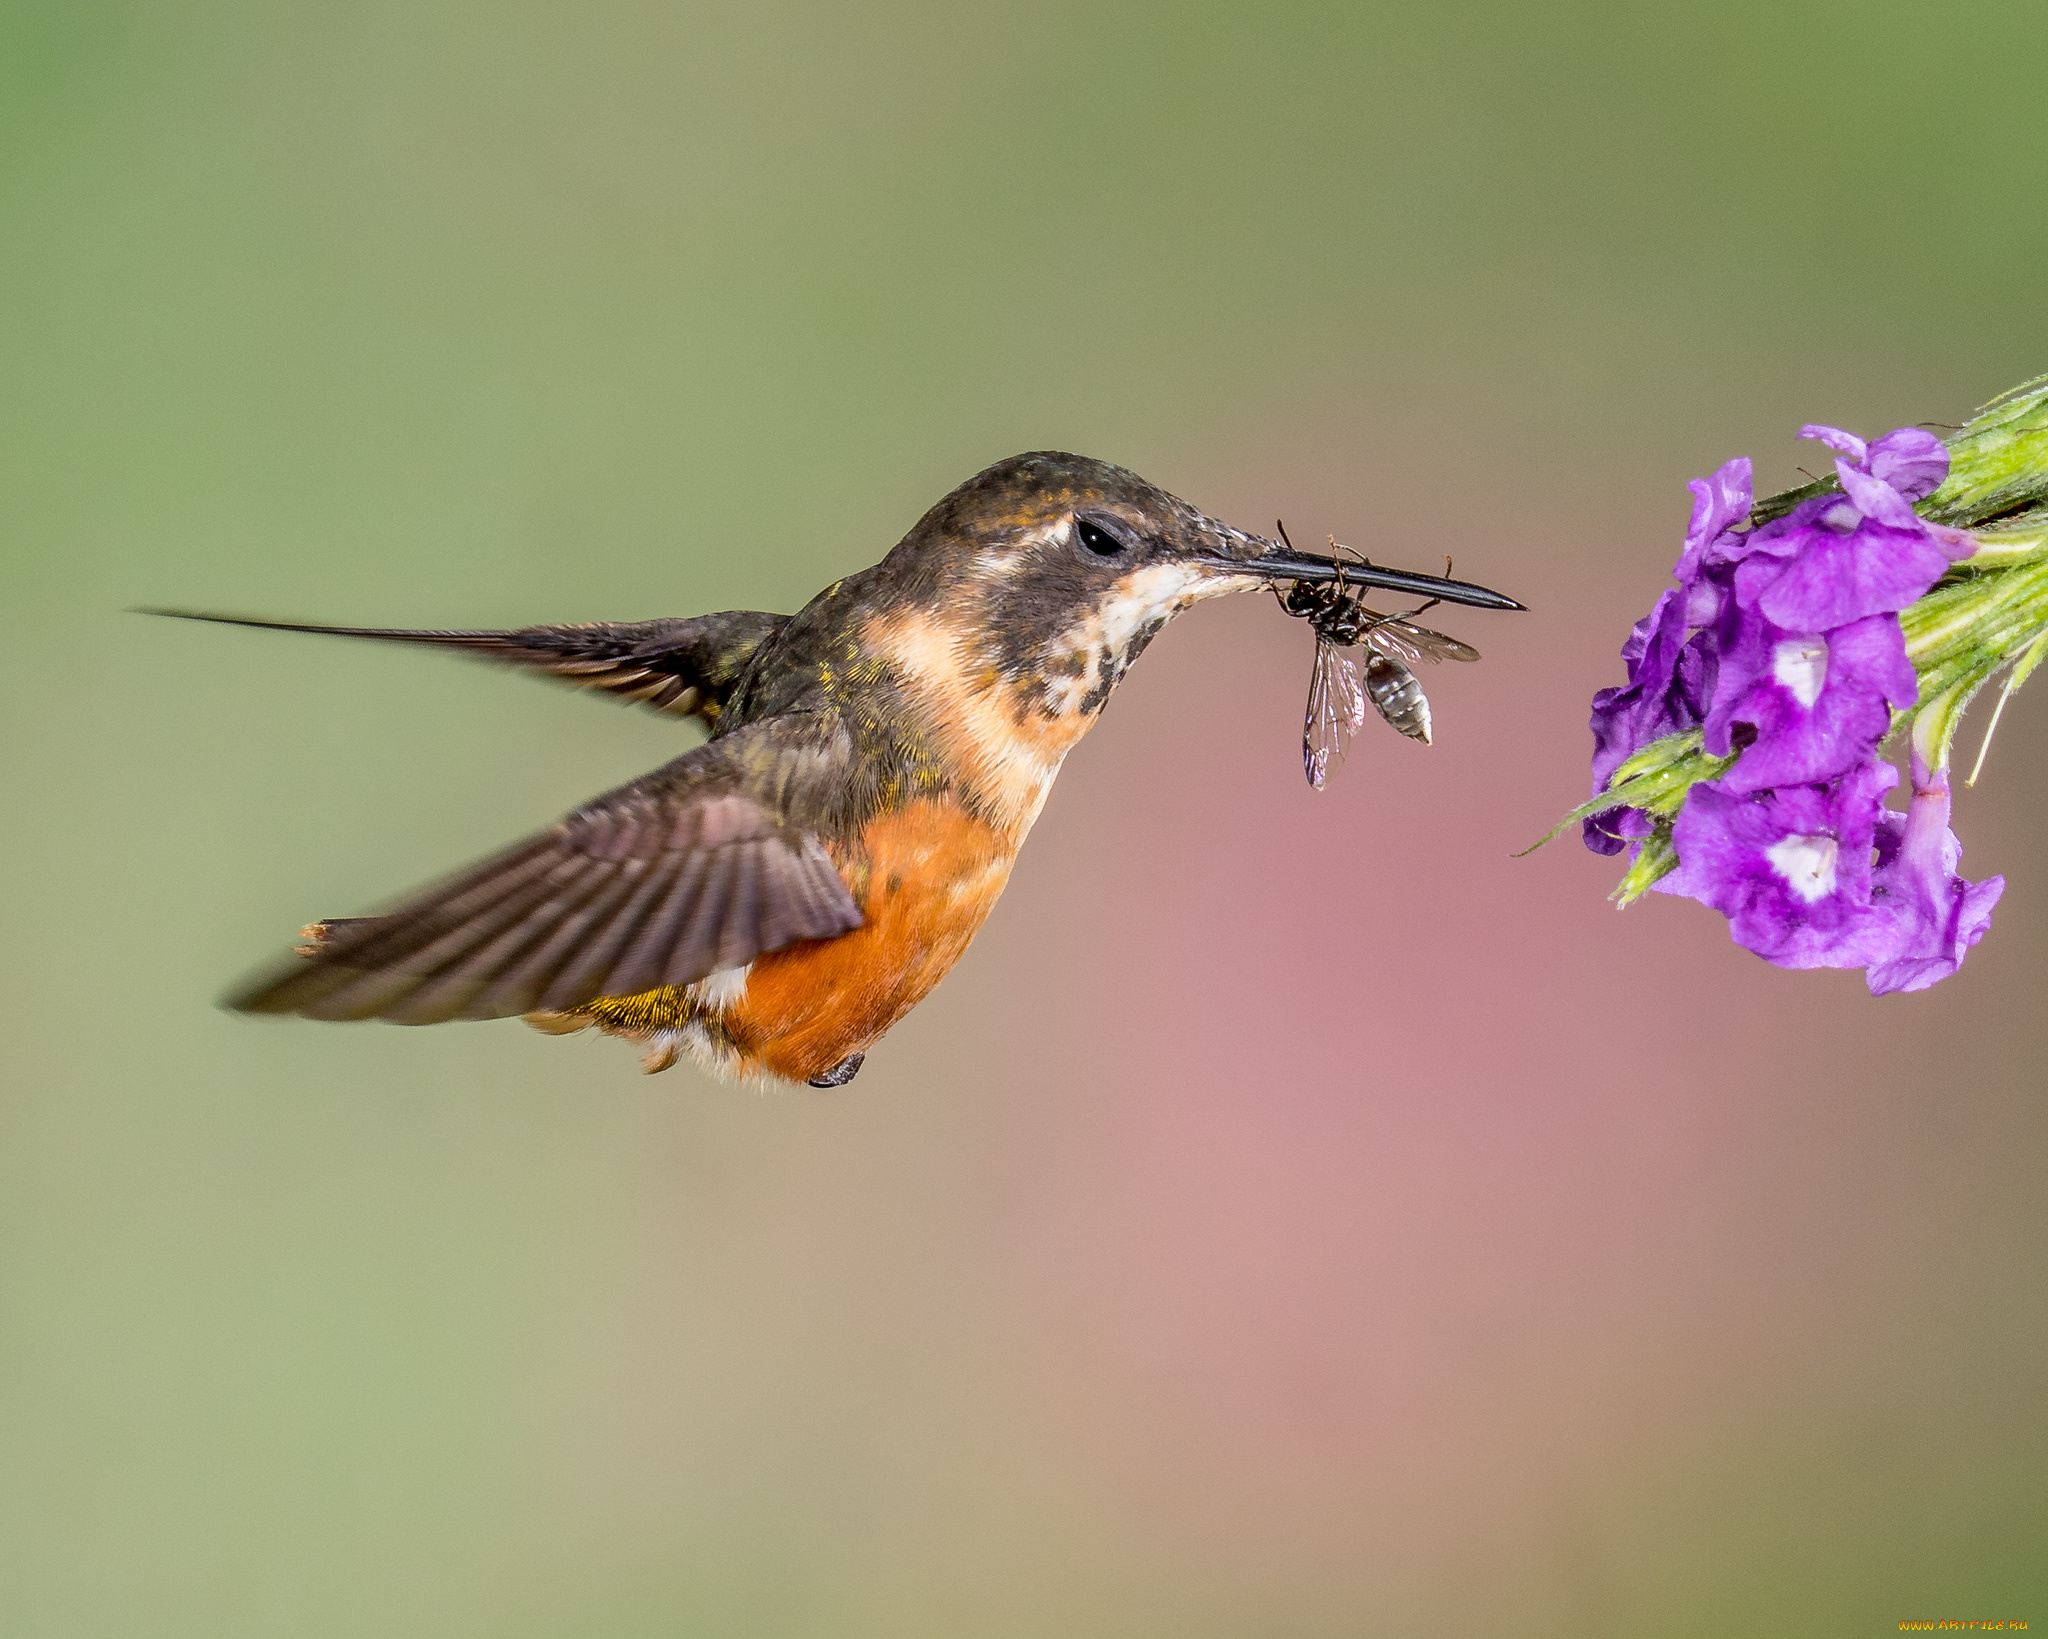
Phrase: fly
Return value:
(1339, 686)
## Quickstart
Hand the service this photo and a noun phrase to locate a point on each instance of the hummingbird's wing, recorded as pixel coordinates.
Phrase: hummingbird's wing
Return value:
(693, 868)
(682, 667)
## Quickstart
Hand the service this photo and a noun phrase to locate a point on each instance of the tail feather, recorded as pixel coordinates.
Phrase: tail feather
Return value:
(681, 667)
(477, 639)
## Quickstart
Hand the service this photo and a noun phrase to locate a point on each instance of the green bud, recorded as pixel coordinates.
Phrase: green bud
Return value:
(1998, 464)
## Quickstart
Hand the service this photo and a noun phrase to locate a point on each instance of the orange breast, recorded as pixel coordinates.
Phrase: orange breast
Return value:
(932, 875)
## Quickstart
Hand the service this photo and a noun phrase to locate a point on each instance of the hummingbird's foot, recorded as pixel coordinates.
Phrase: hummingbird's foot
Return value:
(841, 1073)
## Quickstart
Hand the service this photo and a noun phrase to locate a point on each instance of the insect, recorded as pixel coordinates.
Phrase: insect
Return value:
(1339, 687)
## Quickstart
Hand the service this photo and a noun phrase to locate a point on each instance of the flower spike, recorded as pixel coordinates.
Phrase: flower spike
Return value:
(1742, 762)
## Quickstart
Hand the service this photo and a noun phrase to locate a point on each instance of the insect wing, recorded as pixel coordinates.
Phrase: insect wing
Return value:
(1415, 644)
(1336, 711)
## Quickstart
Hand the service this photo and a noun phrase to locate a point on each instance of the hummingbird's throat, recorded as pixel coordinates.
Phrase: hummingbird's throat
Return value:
(1003, 724)
(1080, 667)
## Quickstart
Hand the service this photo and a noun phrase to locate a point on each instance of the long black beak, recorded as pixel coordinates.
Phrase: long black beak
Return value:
(1283, 563)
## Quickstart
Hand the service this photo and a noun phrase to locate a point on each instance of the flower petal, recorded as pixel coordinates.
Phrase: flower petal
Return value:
(1654, 702)
(1840, 442)
(1967, 921)
(1931, 914)
(1790, 869)
(1833, 579)
(1875, 498)
(1719, 503)
(1912, 460)
(1614, 830)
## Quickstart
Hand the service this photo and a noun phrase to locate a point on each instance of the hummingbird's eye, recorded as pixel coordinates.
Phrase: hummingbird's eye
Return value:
(1097, 539)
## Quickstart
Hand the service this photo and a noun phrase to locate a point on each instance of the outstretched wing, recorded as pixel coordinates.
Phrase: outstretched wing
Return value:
(692, 868)
(683, 667)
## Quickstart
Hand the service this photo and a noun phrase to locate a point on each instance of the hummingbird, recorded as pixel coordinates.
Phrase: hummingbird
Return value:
(775, 899)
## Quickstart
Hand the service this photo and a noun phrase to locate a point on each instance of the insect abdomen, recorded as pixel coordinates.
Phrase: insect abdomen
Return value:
(1396, 695)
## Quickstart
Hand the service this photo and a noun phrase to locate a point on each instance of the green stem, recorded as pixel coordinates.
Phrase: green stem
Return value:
(1987, 613)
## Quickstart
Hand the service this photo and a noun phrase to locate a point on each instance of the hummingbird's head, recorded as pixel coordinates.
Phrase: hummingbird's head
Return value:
(1058, 570)
(1017, 604)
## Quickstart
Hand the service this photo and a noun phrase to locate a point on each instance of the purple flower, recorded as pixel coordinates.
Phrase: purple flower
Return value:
(1667, 689)
(1614, 830)
(1782, 645)
(1811, 705)
(1670, 682)
(1670, 679)
(1912, 461)
(1933, 915)
(1838, 558)
(1719, 504)
(1790, 868)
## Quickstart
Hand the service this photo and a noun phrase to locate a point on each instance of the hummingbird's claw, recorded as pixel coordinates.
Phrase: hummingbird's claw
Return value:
(841, 1073)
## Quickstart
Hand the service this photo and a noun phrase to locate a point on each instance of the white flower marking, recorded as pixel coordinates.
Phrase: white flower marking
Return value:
(1806, 863)
(1801, 665)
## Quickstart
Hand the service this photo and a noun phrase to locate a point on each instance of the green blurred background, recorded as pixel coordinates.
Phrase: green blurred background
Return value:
(1295, 1217)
